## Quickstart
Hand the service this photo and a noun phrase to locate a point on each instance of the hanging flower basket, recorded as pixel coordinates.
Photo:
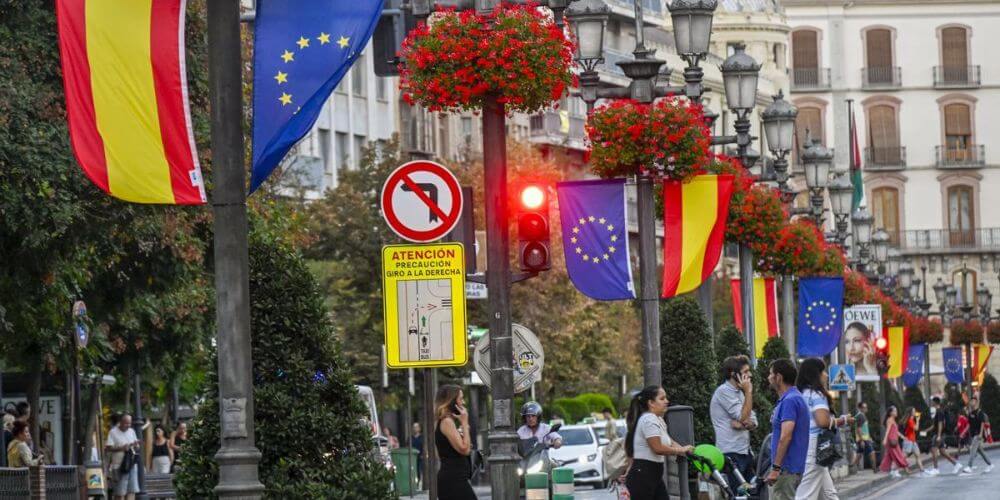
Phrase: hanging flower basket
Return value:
(993, 332)
(925, 331)
(755, 218)
(966, 332)
(798, 250)
(667, 139)
(515, 53)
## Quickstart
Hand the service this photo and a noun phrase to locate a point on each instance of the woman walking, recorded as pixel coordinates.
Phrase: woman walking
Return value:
(812, 381)
(910, 438)
(453, 444)
(647, 444)
(892, 455)
(163, 456)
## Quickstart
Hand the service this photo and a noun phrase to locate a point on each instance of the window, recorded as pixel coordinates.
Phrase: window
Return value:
(883, 137)
(957, 132)
(359, 149)
(961, 215)
(878, 49)
(358, 84)
(805, 57)
(343, 150)
(326, 155)
(380, 89)
(808, 123)
(885, 208)
(467, 128)
(954, 55)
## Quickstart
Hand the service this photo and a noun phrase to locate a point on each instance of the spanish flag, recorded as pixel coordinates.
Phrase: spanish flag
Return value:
(765, 310)
(899, 350)
(694, 221)
(127, 98)
(980, 356)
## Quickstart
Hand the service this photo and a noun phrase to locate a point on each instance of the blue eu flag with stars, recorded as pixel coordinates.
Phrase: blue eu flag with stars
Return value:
(953, 366)
(302, 49)
(595, 238)
(821, 315)
(915, 365)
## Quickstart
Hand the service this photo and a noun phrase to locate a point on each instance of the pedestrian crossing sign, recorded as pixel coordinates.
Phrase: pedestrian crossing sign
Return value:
(842, 377)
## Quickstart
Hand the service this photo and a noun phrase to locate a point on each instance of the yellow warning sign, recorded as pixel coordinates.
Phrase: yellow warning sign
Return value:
(423, 290)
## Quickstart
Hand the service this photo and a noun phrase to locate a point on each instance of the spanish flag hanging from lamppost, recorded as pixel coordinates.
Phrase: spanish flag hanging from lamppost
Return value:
(126, 98)
(694, 223)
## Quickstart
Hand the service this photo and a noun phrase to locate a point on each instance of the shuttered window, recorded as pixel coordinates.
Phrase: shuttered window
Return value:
(883, 136)
(957, 131)
(961, 214)
(954, 52)
(879, 51)
(885, 208)
(804, 48)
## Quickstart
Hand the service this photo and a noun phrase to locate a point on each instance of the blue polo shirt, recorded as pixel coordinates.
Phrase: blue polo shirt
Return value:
(791, 408)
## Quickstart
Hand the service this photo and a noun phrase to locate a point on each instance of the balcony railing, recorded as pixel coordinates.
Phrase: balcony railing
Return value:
(880, 77)
(970, 156)
(810, 79)
(558, 128)
(956, 76)
(947, 239)
(885, 158)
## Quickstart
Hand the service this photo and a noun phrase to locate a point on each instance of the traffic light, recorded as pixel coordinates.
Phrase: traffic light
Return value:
(533, 228)
(388, 37)
(882, 356)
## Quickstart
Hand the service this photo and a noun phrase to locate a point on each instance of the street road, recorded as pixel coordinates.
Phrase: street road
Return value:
(946, 485)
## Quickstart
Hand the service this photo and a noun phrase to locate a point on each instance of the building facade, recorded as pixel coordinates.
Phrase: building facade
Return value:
(924, 82)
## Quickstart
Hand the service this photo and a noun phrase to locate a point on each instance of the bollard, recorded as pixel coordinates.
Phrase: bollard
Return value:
(536, 486)
(94, 475)
(562, 483)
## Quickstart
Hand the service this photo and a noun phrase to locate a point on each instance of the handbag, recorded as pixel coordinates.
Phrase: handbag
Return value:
(128, 461)
(827, 453)
(615, 460)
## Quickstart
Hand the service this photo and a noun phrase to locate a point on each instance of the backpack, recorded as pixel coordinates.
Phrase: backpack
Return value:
(615, 460)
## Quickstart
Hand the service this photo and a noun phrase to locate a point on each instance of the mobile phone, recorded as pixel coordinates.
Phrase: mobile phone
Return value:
(454, 408)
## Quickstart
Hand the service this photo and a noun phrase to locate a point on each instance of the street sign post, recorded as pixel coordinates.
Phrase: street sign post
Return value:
(421, 201)
(842, 377)
(424, 297)
(529, 358)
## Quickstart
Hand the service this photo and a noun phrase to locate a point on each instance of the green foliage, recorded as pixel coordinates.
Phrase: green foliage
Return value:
(774, 349)
(576, 410)
(989, 395)
(689, 364)
(730, 342)
(307, 412)
(596, 403)
(556, 409)
(871, 397)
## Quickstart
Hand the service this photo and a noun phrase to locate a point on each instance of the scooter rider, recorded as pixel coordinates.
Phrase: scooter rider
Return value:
(531, 415)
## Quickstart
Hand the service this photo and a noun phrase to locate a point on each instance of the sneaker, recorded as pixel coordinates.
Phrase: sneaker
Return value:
(926, 473)
(934, 471)
(988, 468)
(957, 469)
(895, 474)
(966, 470)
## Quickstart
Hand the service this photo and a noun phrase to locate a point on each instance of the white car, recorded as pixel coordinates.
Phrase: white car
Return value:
(579, 452)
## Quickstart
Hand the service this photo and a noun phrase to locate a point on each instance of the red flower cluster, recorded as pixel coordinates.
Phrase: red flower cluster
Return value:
(993, 332)
(516, 53)
(799, 250)
(857, 290)
(667, 138)
(925, 331)
(756, 218)
(966, 332)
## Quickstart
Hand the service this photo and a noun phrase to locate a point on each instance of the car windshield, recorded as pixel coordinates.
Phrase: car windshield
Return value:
(574, 437)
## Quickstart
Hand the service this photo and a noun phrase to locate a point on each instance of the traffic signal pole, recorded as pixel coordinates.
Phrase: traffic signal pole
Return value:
(503, 456)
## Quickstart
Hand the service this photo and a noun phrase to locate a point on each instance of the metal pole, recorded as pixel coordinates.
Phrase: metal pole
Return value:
(788, 312)
(968, 370)
(503, 441)
(78, 453)
(705, 301)
(3, 453)
(845, 405)
(927, 371)
(238, 457)
(409, 431)
(746, 298)
(649, 296)
(137, 424)
(430, 432)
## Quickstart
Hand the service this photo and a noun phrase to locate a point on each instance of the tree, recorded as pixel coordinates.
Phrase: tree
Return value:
(689, 365)
(989, 394)
(774, 349)
(307, 412)
(730, 342)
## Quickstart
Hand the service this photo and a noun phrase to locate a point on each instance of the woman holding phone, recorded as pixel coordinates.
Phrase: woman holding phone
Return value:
(454, 444)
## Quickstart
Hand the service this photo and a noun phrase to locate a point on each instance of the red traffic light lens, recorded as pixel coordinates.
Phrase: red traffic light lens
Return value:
(532, 197)
(532, 227)
(881, 343)
(535, 256)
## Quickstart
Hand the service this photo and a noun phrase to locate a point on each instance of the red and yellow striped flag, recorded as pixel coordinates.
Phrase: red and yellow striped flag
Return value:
(980, 356)
(126, 98)
(694, 221)
(765, 310)
(899, 350)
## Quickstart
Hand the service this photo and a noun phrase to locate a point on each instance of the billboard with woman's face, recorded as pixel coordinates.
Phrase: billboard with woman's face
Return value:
(862, 325)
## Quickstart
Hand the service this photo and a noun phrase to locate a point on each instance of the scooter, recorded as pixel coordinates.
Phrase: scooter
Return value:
(535, 456)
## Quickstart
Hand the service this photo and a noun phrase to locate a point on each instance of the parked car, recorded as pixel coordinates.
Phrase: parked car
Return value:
(599, 430)
(580, 452)
(380, 443)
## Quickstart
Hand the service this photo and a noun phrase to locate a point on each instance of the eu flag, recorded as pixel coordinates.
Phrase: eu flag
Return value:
(953, 368)
(915, 365)
(595, 239)
(821, 315)
(302, 49)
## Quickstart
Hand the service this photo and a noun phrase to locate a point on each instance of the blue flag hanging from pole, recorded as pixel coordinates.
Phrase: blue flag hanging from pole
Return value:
(302, 49)
(915, 365)
(953, 368)
(821, 315)
(595, 238)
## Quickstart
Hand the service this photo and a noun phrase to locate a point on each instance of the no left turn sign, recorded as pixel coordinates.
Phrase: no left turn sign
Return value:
(421, 201)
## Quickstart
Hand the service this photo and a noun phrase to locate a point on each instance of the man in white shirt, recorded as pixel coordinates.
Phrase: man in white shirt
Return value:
(531, 414)
(122, 439)
(733, 417)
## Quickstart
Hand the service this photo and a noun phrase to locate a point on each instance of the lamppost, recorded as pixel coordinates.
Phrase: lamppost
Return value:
(841, 193)
(880, 246)
(983, 299)
(692, 28)
(816, 159)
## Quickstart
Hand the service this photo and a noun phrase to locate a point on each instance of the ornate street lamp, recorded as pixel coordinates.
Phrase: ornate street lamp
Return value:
(841, 196)
(951, 296)
(880, 243)
(906, 277)
(739, 77)
(692, 23)
(779, 128)
(983, 300)
(816, 160)
(893, 262)
(915, 290)
(861, 221)
(940, 288)
(588, 20)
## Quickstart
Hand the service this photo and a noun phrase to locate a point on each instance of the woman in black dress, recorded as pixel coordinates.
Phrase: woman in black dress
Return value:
(453, 444)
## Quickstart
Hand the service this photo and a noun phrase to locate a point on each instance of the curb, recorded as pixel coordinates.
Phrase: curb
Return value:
(882, 480)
